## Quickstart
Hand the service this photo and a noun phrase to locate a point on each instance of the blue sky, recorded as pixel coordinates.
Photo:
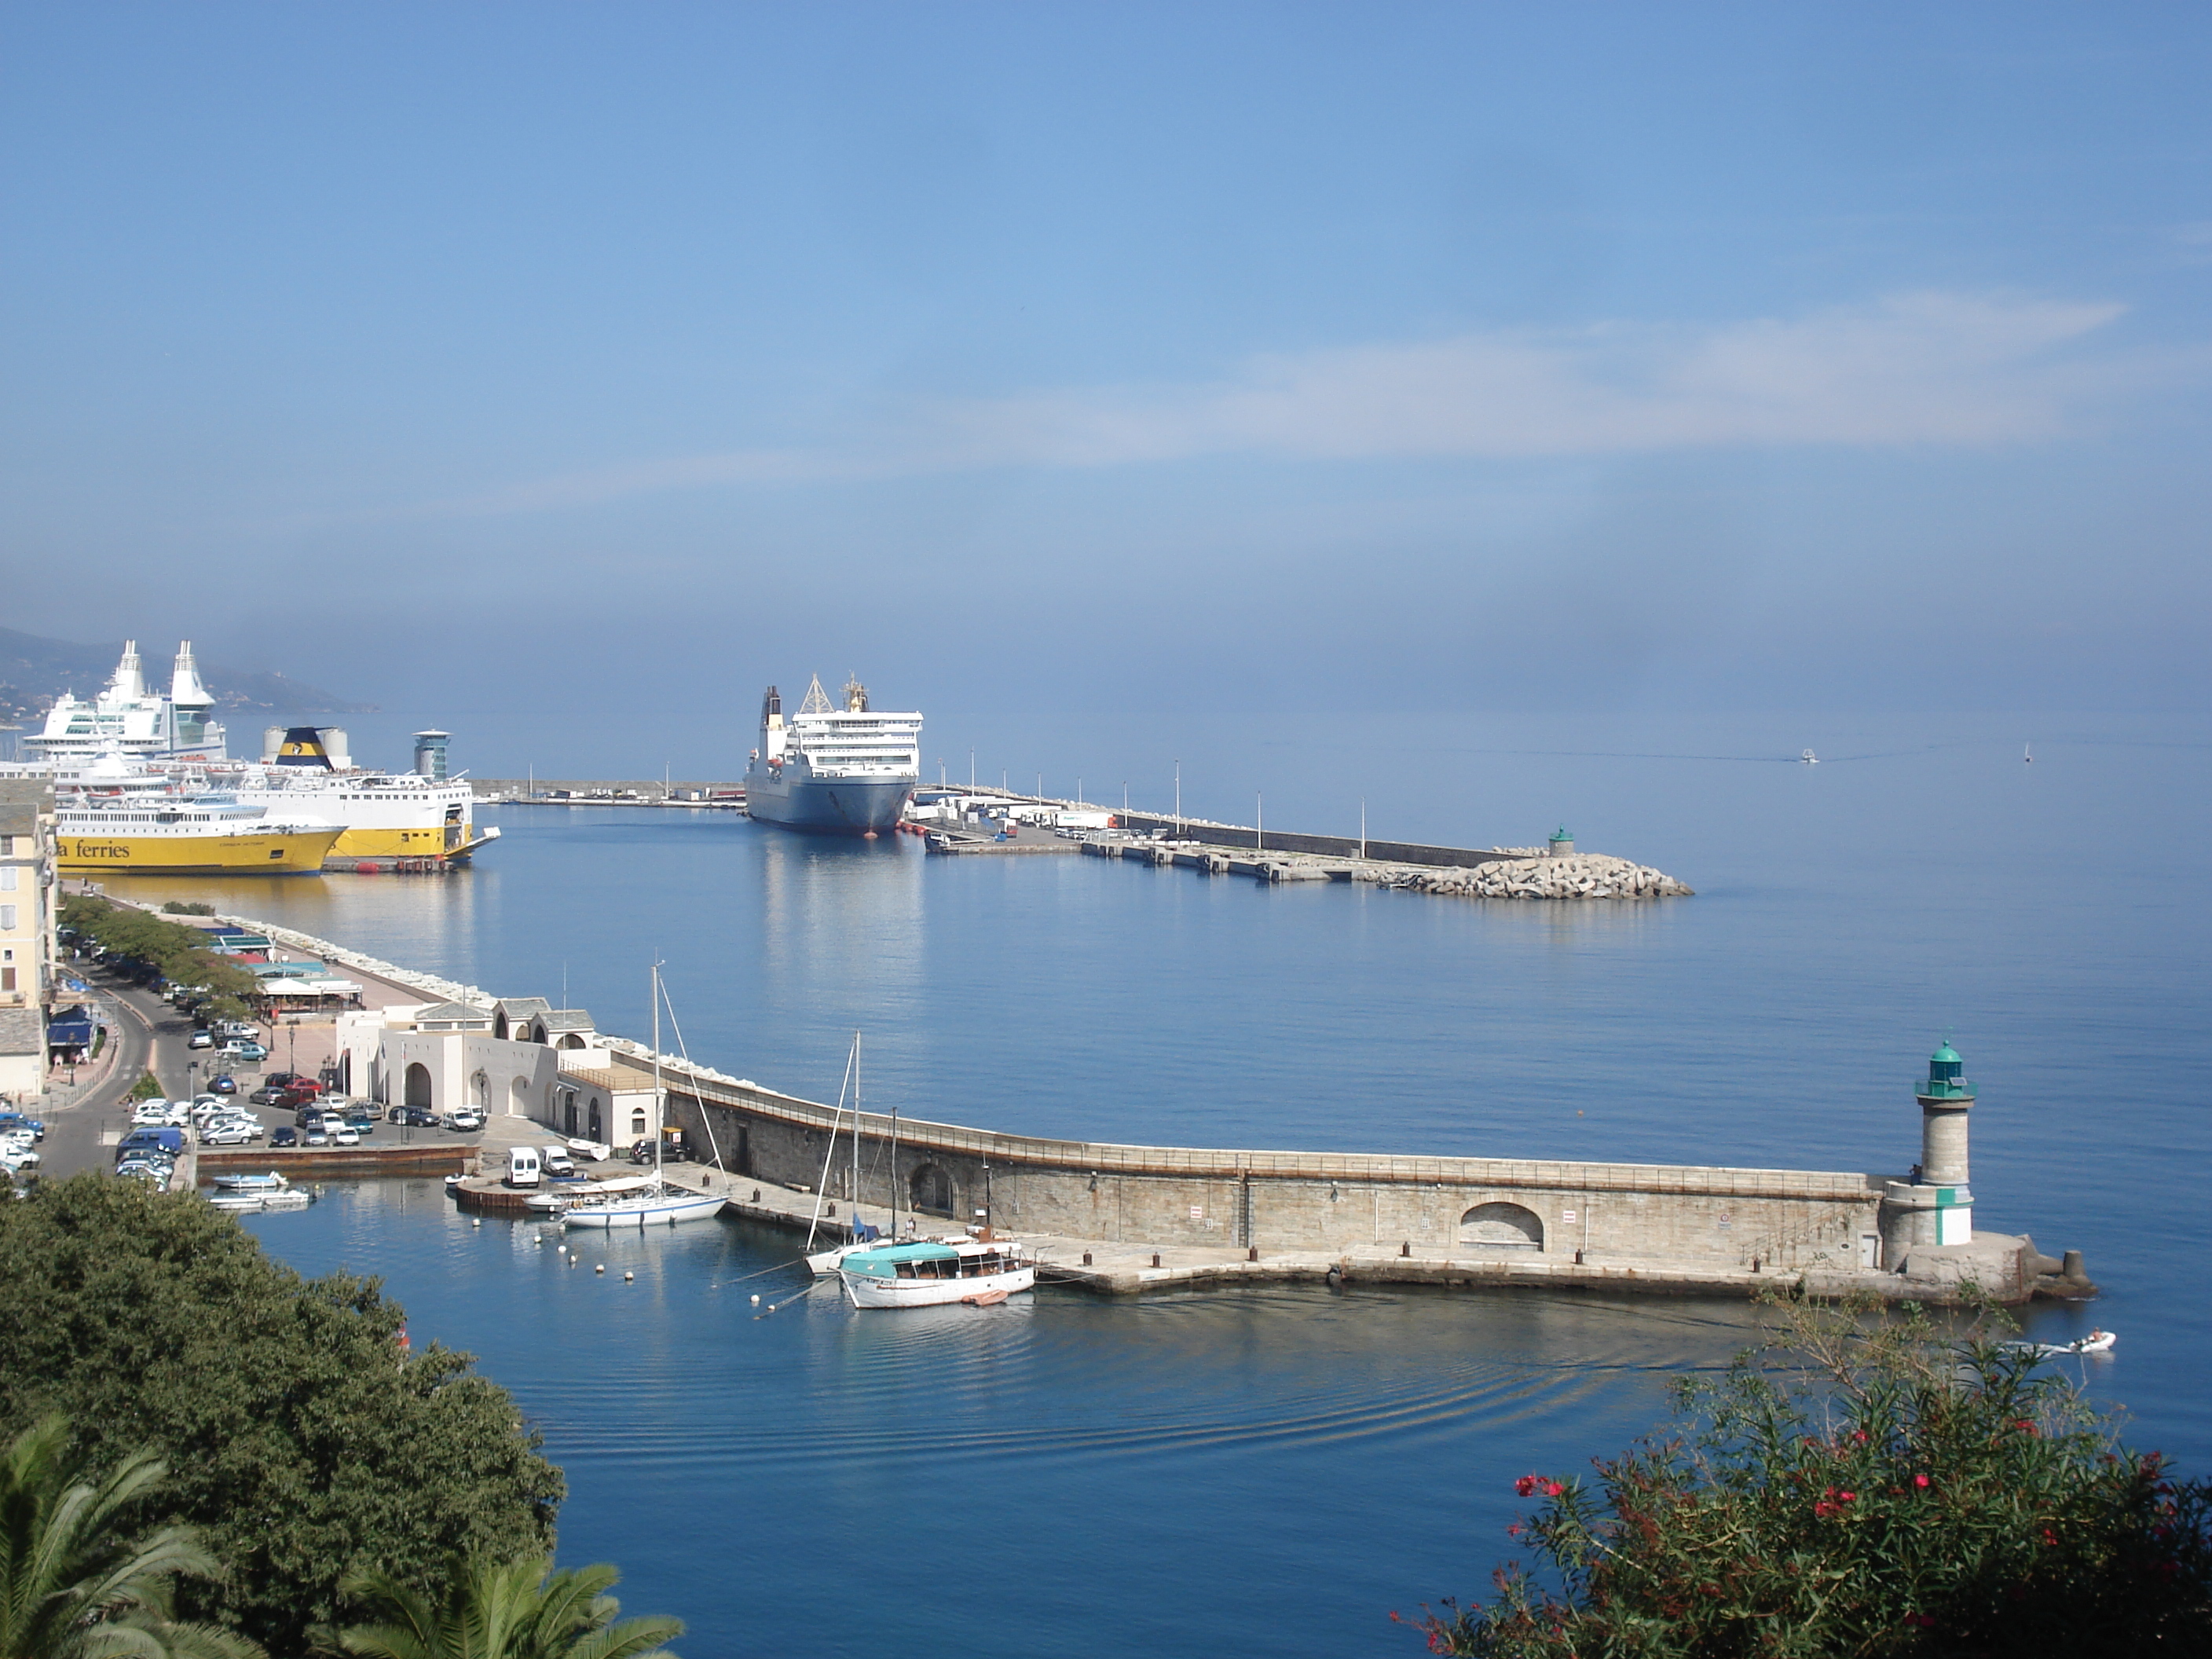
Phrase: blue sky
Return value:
(531, 360)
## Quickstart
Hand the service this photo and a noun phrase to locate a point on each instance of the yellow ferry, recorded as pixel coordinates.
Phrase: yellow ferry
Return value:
(122, 819)
(185, 838)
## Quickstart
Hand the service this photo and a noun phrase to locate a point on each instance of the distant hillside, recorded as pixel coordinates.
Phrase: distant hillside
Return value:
(33, 672)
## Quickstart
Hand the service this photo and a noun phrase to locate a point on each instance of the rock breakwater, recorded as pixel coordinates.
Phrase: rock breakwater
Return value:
(1577, 876)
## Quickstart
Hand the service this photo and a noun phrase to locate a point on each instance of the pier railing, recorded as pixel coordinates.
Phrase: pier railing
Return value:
(1113, 1158)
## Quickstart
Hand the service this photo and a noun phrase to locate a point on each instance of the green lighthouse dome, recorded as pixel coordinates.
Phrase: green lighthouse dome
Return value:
(1946, 1075)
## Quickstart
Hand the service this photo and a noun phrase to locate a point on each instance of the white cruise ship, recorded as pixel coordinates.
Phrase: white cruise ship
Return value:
(846, 771)
(127, 719)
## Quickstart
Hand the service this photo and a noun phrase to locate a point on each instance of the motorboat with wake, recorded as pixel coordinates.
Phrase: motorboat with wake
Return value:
(660, 1202)
(2095, 1342)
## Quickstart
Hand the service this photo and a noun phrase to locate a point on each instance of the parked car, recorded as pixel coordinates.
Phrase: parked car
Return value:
(151, 1111)
(283, 1135)
(237, 1049)
(308, 1117)
(465, 1121)
(315, 1135)
(228, 1134)
(18, 1158)
(420, 1117)
(346, 1135)
(395, 1114)
(200, 1040)
(224, 1084)
(556, 1162)
(360, 1120)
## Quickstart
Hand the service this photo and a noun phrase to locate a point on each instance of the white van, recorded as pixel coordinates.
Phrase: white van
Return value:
(557, 1161)
(522, 1168)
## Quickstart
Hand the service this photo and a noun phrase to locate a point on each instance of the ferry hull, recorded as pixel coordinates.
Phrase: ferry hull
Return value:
(276, 854)
(826, 806)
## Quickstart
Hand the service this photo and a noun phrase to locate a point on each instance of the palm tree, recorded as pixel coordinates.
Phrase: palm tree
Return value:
(73, 1583)
(520, 1609)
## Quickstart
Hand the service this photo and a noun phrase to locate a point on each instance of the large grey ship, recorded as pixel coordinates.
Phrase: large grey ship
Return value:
(846, 771)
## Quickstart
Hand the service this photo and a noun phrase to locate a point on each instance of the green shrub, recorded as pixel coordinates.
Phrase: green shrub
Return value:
(187, 908)
(147, 1087)
(1864, 1485)
(306, 1443)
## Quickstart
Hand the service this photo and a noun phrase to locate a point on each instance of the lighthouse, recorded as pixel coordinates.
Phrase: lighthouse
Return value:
(1938, 1206)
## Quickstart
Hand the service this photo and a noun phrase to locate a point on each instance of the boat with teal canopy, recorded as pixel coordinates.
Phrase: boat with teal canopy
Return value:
(928, 1272)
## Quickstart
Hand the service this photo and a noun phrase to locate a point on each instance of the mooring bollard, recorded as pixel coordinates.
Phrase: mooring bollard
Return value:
(1252, 1254)
(756, 1194)
(1155, 1258)
(1087, 1258)
(1407, 1248)
(1578, 1260)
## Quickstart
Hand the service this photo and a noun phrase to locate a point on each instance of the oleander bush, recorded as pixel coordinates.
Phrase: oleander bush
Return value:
(1865, 1484)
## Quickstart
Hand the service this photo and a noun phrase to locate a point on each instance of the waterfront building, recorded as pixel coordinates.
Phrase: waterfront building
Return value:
(519, 1057)
(28, 907)
(1563, 843)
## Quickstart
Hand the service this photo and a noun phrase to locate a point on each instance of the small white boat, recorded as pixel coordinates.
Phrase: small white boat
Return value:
(928, 1274)
(238, 1203)
(2095, 1342)
(664, 1206)
(272, 1182)
(293, 1199)
(653, 1201)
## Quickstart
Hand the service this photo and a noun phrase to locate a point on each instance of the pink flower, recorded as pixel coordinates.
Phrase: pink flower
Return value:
(1553, 1489)
(1525, 1487)
(1921, 1481)
(1513, 1531)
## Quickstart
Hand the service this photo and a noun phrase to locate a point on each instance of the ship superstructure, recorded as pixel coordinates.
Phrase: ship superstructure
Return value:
(845, 771)
(130, 719)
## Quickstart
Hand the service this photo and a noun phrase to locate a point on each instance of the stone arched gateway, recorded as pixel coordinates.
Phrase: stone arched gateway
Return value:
(417, 1086)
(1502, 1227)
(930, 1192)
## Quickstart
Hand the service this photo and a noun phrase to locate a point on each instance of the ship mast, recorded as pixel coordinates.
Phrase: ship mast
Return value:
(660, 1099)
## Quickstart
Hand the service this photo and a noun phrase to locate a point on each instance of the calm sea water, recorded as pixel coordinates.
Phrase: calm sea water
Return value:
(1278, 1470)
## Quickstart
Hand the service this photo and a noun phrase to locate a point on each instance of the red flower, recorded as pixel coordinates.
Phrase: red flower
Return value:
(2026, 1426)
(1847, 1497)
(1525, 1487)
(1921, 1481)
(1513, 1531)
(1918, 1621)
(2050, 1538)
(1553, 1489)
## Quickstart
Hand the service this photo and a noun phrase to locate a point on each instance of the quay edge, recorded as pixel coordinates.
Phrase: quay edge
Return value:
(1229, 1215)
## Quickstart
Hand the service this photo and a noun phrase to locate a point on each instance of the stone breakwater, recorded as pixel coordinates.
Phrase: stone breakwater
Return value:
(1577, 876)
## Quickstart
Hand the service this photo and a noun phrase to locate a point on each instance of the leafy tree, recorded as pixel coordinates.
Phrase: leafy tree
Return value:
(187, 908)
(178, 951)
(308, 1444)
(75, 1581)
(1863, 1486)
(520, 1609)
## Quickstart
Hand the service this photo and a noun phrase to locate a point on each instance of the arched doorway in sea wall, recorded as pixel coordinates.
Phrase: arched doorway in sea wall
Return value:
(1502, 1227)
(418, 1086)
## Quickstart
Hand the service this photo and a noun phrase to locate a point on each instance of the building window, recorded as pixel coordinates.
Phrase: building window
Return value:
(6, 917)
(637, 1121)
(7, 877)
(6, 979)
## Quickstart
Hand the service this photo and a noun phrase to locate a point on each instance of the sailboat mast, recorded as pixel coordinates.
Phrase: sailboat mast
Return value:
(855, 1193)
(660, 1100)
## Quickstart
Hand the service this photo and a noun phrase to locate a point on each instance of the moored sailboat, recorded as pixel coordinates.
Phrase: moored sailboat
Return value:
(661, 1202)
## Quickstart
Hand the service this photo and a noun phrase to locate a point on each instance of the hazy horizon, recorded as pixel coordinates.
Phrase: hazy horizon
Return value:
(543, 370)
